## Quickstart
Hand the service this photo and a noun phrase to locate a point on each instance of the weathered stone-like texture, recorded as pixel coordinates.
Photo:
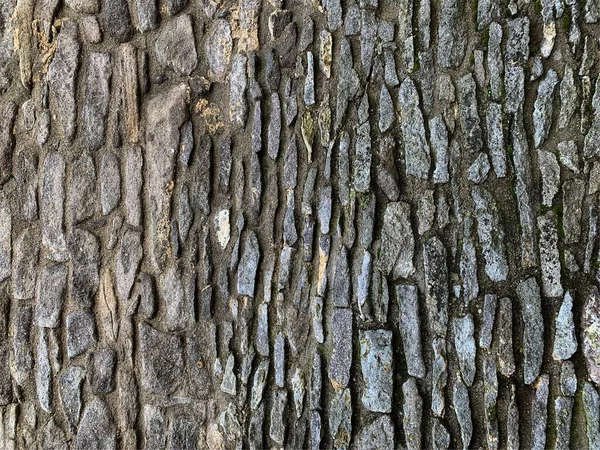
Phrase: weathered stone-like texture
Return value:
(165, 114)
(338, 224)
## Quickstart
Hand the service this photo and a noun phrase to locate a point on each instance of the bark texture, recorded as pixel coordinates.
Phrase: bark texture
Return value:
(357, 224)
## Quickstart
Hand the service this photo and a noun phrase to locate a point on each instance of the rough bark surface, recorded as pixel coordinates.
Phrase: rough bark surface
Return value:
(357, 224)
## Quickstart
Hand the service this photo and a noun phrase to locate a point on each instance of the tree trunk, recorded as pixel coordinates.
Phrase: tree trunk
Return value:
(366, 225)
